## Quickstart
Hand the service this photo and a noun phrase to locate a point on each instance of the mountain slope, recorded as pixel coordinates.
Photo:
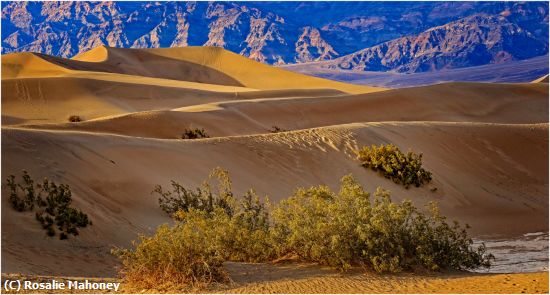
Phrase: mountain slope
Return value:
(516, 71)
(269, 32)
(476, 40)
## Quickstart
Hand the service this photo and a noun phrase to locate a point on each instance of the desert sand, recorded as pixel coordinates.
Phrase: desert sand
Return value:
(311, 279)
(486, 144)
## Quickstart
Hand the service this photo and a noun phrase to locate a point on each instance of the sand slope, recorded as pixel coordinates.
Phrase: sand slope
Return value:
(304, 279)
(452, 102)
(486, 144)
(110, 81)
(299, 278)
(112, 176)
(54, 99)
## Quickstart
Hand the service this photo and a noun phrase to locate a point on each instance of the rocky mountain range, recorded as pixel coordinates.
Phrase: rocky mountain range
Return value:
(475, 40)
(374, 36)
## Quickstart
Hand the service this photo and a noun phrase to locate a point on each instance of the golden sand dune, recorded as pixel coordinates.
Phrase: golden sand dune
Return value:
(210, 65)
(452, 102)
(54, 99)
(543, 79)
(27, 64)
(486, 144)
(195, 61)
(39, 88)
(111, 177)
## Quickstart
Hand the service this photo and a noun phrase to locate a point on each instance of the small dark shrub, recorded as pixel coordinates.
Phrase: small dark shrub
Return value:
(276, 129)
(389, 161)
(51, 201)
(194, 134)
(63, 236)
(75, 119)
(50, 231)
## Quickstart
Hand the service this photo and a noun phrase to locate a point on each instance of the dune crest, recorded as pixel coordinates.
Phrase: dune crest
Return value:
(543, 79)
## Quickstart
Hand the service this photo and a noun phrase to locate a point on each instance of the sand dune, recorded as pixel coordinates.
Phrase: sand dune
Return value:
(112, 176)
(195, 61)
(39, 88)
(486, 144)
(543, 79)
(210, 65)
(453, 102)
(27, 64)
(54, 99)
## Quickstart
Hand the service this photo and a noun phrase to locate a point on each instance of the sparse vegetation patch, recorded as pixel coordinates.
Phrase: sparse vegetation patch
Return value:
(75, 119)
(50, 202)
(389, 161)
(194, 134)
(277, 129)
(344, 229)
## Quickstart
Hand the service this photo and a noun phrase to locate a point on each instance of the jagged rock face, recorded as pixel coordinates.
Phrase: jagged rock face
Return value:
(311, 47)
(289, 32)
(475, 40)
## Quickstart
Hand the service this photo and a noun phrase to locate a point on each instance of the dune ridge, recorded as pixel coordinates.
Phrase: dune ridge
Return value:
(211, 65)
(453, 102)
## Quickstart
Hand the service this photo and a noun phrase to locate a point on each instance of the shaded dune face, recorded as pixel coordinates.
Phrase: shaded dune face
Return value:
(141, 63)
(486, 144)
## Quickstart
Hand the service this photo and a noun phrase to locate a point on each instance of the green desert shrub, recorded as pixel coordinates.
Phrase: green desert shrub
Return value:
(75, 119)
(388, 160)
(247, 222)
(248, 232)
(344, 229)
(202, 198)
(52, 203)
(351, 228)
(187, 254)
(194, 133)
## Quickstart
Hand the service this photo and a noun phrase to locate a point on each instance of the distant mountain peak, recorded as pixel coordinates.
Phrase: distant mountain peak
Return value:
(312, 47)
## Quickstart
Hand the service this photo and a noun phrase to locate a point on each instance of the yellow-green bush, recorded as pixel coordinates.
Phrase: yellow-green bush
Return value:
(187, 254)
(389, 161)
(248, 221)
(350, 228)
(344, 229)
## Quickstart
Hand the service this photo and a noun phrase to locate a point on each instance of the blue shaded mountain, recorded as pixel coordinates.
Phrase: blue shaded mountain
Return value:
(379, 36)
